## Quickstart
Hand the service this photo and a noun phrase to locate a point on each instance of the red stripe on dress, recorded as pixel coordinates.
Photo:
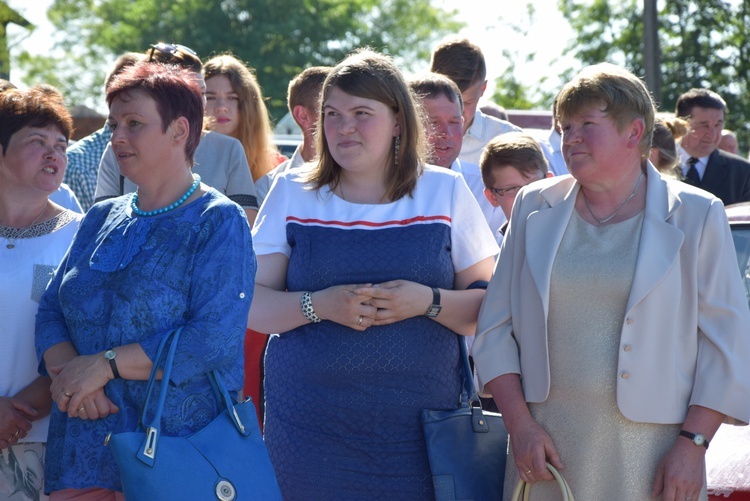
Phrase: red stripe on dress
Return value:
(402, 222)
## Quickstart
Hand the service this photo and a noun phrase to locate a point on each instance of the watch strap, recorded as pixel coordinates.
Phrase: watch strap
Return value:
(693, 437)
(434, 309)
(113, 364)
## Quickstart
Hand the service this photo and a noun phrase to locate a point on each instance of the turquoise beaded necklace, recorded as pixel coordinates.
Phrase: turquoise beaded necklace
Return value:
(172, 206)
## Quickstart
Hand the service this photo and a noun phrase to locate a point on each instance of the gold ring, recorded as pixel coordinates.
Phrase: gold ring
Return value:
(528, 472)
(82, 409)
(359, 320)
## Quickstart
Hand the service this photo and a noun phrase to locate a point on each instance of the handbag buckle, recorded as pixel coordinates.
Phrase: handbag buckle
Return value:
(149, 450)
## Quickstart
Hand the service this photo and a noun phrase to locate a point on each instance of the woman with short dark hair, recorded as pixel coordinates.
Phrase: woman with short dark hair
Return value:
(175, 253)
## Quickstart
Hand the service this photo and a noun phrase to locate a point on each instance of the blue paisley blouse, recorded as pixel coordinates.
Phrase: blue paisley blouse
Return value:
(130, 279)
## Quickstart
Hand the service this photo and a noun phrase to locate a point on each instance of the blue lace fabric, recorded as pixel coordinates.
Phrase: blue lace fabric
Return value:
(129, 279)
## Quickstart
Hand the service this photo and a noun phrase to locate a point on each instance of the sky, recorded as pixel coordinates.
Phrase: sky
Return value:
(490, 24)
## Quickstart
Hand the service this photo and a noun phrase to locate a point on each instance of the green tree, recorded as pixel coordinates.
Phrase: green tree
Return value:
(704, 43)
(510, 92)
(278, 38)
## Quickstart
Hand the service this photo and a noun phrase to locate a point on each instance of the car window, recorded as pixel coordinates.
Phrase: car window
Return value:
(741, 235)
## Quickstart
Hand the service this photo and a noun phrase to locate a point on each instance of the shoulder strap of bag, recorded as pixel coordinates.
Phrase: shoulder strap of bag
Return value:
(147, 452)
(222, 396)
(469, 392)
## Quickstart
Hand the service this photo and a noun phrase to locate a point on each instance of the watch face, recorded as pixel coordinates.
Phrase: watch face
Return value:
(434, 310)
(699, 439)
(110, 354)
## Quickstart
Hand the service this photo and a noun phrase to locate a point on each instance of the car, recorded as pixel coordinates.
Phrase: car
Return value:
(728, 457)
(739, 221)
(287, 143)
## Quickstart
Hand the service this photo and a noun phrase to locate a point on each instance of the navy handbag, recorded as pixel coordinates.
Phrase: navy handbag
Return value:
(467, 447)
(227, 460)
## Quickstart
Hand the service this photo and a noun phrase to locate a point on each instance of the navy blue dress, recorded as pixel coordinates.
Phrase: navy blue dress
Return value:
(342, 406)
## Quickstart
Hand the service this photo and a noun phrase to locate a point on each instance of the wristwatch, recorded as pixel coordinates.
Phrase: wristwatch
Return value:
(434, 309)
(696, 438)
(110, 355)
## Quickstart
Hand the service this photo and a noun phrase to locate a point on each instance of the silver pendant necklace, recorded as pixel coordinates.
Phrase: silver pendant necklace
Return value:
(22, 232)
(617, 210)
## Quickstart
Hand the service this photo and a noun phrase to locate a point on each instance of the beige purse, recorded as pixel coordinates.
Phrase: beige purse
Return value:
(523, 489)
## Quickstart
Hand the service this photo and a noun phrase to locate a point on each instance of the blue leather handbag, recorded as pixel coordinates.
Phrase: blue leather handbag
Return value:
(467, 447)
(227, 460)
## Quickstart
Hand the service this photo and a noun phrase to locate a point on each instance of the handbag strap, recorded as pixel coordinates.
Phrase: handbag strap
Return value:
(166, 351)
(468, 393)
(523, 489)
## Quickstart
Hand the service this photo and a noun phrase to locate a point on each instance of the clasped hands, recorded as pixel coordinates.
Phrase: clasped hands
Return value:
(15, 420)
(360, 306)
(78, 387)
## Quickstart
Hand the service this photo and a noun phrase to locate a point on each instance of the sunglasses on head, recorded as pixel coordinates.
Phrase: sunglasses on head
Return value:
(169, 49)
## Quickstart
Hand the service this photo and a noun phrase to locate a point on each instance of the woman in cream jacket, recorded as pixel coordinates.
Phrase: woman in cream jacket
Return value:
(614, 333)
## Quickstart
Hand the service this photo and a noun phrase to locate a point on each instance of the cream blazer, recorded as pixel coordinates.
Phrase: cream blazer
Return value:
(686, 334)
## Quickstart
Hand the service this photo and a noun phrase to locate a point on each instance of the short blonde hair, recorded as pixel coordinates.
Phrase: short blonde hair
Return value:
(623, 95)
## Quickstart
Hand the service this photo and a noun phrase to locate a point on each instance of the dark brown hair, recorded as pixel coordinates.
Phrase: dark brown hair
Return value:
(31, 108)
(174, 91)
(461, 61)
(514, 149)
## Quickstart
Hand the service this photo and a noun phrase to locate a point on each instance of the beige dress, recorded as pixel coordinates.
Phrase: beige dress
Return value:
(606, 456)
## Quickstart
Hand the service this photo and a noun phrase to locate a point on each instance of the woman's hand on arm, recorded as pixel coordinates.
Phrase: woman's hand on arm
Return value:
(77, 387)
(532, 446)
(680, 473)
(275, 310)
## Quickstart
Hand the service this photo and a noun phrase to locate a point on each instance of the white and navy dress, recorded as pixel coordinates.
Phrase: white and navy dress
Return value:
(342, 406)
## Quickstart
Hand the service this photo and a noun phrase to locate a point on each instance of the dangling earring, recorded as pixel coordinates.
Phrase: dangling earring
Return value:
(395, 149)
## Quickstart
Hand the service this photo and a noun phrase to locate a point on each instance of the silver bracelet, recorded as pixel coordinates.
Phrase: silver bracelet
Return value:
(307, 308)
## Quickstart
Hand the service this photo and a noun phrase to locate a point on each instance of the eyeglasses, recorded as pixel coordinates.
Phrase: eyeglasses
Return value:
(501, 192)
(170, 50)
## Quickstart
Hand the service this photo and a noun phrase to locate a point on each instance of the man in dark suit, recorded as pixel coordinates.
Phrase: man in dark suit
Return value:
(703, 164)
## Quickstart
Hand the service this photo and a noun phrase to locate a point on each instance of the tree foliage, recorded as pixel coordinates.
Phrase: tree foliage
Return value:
(510, 92)
(278, 38)
(704, 43)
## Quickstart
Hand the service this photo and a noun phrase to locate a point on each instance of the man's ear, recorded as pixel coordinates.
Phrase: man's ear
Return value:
(491, 198)
(484, 88)
(303, 117)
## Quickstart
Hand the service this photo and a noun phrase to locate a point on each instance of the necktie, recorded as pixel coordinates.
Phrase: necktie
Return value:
(692, 175)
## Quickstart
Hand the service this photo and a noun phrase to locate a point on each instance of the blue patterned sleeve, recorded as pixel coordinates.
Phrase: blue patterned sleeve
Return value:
(50, 328)
(221, 290)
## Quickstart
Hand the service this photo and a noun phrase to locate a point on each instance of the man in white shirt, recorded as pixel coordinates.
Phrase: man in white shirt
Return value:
(463, 62)
(442, 104)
